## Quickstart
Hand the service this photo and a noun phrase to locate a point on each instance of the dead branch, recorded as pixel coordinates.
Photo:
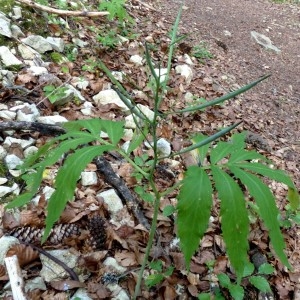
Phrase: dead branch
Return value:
(61, 12)
(32, 126)
(118, 183)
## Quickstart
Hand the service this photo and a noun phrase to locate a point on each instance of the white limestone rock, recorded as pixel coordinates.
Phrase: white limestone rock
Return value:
(76, 93)
(186, 72)
(3, 180)
(146, 111)
(38, 43)
(12, 161)
(187, 59)
(264, 41)
(48, 191)
(109, 97)
(16, 31)
(26, 112)
(163, 147)
(80, 83)
(4, 190)
(161, 73)
(7, 115)
(51, 271)
(81, 294)
(5, 26)
(89, 178)
(87, 108)
(35, 283)
(137, 59)
(8, 58)
(129, 122)
(52, 120)
(23, 143)
(30, 151)
(37, 71)
(118, 75)
(113, 201)
(57, 44)
(3, 152)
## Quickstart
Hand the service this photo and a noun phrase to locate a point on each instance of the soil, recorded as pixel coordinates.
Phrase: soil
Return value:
(272, 108)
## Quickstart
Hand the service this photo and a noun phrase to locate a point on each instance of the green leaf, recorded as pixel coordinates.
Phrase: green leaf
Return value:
(156, 265)
(209, 139)
(242, 155)
(204, 296)
(224, 280)
(168, 210)
(225, 97)
(236, 291)
(267, 209)
(264, 170)
(154, 279)
(220, 151)
(235, 222)
(260, 283)
(169, 271)
(66, 180)
(201, 151)
(194, 205)
(294, 198)
(115, 130)
(266, 269)
(248, 269)
(33, 180)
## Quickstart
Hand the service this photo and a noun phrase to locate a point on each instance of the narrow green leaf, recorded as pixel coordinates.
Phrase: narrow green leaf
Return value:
(194, 205)
(209, 139)
(115, 130)
(220, 151)
(238, 140)
(204, 296)
(55, 154)
(294, 198)
(264, 170)
(266, 269)
(235, 222)
(201, 151)
(66, 180)
(242, 155)
(260, 283)
(33, 180)
(225, 97)
(236, 291)
(150, 64)
(267, 209)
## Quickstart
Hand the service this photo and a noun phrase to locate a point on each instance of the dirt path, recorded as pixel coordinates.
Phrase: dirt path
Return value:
(272, 109)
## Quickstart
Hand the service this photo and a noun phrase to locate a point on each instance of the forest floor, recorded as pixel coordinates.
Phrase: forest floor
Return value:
(230, 58)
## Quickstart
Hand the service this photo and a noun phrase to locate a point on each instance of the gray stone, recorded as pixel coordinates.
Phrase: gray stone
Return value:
(113, 201)
(38, 43)
(137, 59)
(37, 71)
(80, 82)
(27, 52)
(3, 152)
(3, 180)
(52, 271)
(81, 294)
(185, 71)
(8, 58)
(30, 151)
(76, 93)
(16, 31)
(5, 26)
(7, 77)
(161, 73)
(109, 97)
(48, 191)
(17, 12)
(23, 143)
(89, 178)
(12, 161)
(264, 41)
(27, 112)
(149, 114)
(87, 108)
(7, 115)
(163, 147)
(4, 190)
(56, 43)
(35, 283)
(52, 120)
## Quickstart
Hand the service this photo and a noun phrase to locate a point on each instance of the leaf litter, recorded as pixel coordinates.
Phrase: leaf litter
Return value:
(126, 242)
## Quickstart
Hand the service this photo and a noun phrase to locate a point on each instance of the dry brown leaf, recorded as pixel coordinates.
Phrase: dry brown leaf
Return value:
(24, 253)
(65, 285)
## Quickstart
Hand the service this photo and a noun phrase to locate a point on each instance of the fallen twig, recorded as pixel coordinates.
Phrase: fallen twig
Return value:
(15, 277)
(61, 12)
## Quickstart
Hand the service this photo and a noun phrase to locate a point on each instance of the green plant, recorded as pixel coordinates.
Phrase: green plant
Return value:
(158, 275)
(230, 168)
(257, 279)
(116, 9)
(201, 52)
(55, 93)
